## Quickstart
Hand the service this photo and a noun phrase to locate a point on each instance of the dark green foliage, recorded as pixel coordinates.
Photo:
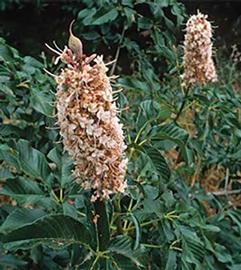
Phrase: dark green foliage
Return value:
(160, 222)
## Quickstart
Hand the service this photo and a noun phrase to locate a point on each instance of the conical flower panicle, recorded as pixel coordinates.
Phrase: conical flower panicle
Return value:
(89, 125)
(198, 63)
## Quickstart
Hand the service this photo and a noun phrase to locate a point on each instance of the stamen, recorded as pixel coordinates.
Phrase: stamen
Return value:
(90, 58)
(51, 49)
(111, 62)
(113, 77)
(117, 91)
(48, 72)
(52, 128)
(57, 47)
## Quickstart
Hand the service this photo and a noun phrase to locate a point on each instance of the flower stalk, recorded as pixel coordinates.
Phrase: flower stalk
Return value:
(198, 64)
(102, 224)
(91, 133)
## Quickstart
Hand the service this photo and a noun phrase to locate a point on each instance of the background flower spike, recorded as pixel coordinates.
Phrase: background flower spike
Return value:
(199, 67)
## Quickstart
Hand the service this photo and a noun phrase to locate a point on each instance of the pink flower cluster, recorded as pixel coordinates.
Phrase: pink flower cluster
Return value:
(89, 125)
(198, 63)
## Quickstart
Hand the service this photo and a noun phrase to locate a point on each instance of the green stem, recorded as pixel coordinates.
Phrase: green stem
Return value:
(118, 219)
(141, 130)
(144, 224)
(94, 263)
(153, 246)
(102, 225)
(118, 51)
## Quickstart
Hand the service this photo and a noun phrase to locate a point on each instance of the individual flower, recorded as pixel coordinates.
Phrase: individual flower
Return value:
(89, 124)
(198, 63)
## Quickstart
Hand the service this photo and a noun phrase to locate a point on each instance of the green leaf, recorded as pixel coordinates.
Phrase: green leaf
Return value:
(154, 110)
(121, 247)
(25, 191)
(41, 102)
(32, 62)
(91, 36)
(236, 267)
(222, 254)
(55, 156)
(171, 261)
(9, 155)
(130, 15)
(137, 230)
(133, 84)
(192, 246)
(54, 230)
(6, 53)
(20, 186)
(172, 133)
(19, 218)
(64, 166)
(167, 53)
(211, 228)
(86, 13)
(7, 91)
(32, 161)
(158, 162)
(5, 174)
(107, 17)
(70, 210)
(178, 11)
(144, 23)
(236, 218)
(12, 262)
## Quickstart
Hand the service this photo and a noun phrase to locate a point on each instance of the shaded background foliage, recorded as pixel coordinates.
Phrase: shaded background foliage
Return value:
(21, 22)
(172, 215)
